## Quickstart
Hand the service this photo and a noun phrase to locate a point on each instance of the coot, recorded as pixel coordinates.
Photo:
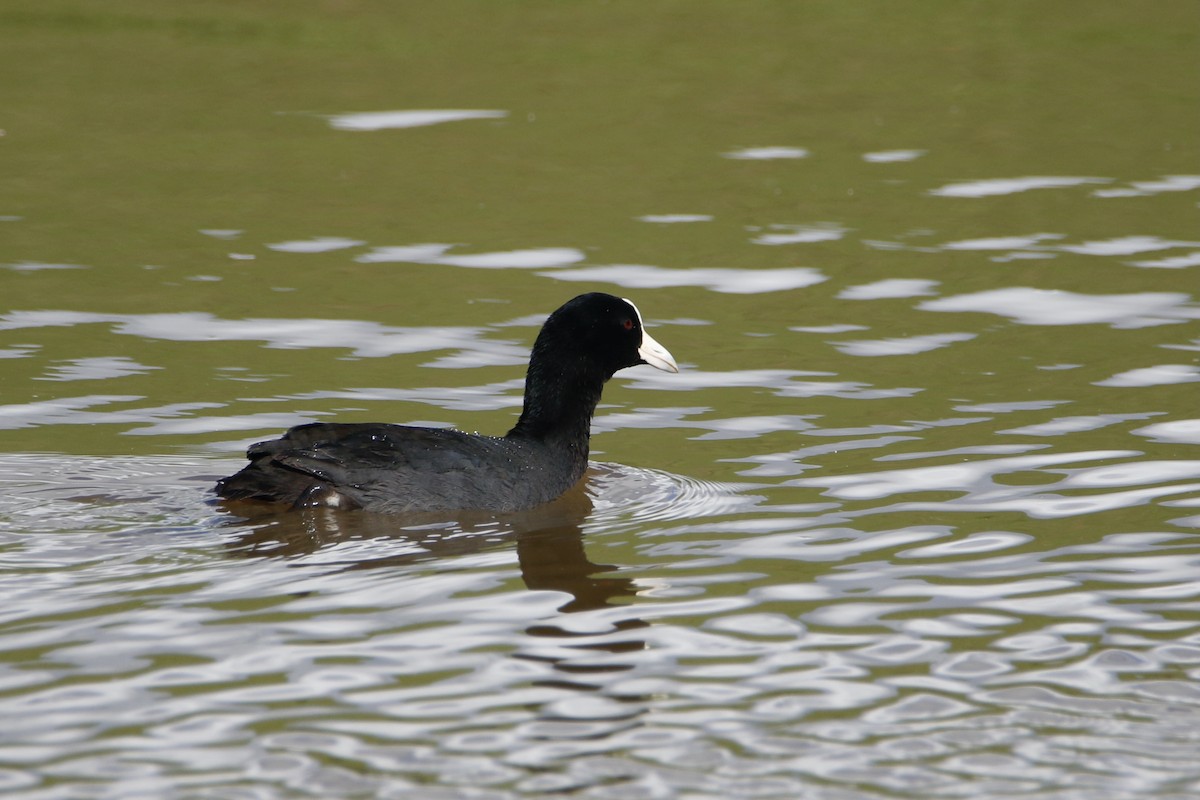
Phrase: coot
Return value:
(397, 468)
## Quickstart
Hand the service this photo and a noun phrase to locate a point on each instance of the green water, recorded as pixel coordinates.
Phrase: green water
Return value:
(916, 519)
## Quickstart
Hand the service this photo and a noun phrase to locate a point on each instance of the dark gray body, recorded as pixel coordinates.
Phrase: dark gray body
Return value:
(396, 468)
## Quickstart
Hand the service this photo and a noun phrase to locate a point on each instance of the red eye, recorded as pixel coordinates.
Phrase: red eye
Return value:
(628, 324)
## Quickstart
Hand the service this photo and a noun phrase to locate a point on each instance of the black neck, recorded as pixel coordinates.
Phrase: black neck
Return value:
(559, 404)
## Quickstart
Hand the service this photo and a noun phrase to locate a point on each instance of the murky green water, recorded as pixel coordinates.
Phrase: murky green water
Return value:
(917, 519)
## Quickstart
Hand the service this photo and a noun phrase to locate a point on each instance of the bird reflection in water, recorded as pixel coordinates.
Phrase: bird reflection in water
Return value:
(549, 545)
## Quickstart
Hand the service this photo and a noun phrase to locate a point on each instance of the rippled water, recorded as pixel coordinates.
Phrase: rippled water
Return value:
(918, 517)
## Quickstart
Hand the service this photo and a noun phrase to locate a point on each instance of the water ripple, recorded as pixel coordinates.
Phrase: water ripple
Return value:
(382, 120)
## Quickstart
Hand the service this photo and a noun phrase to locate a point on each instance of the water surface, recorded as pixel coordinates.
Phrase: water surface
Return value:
(916, 519)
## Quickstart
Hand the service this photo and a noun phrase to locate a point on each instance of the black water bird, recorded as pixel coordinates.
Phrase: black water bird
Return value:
(397, 468)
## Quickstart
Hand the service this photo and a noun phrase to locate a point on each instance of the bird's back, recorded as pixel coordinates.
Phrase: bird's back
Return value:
(397, 468)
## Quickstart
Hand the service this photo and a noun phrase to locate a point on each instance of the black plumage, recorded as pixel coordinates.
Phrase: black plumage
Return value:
(397, 468)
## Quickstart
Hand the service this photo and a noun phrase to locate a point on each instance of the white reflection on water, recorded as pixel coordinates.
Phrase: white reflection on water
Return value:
(538, 258)
(483, 397)
(727, 281)
(521, 259)
(766, 153)
(801, 234)
(1192, 346)
(1002, 242)
(1009, 406)
(78, 411)
(781, 382)
(413, 253)
(91, 369)
(1057, 307)
(791, 462)
(38, 266)
(319, 244)
(720, 428)
(1048, 245)
(901, 346)
(1061, 426)
(889, 288)
(1154, 376)
(1002, 186)
(175, 426)
(1037, 246)
(892, 156)
(981, 492)
(974, 477)
(364, 339)
(667, 219)
(1132, 474)
(1125, 246)
(1183, 431)
(840, 328)
(19, 351)
(383, 120)
(1168, 183)
(1171, 262)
